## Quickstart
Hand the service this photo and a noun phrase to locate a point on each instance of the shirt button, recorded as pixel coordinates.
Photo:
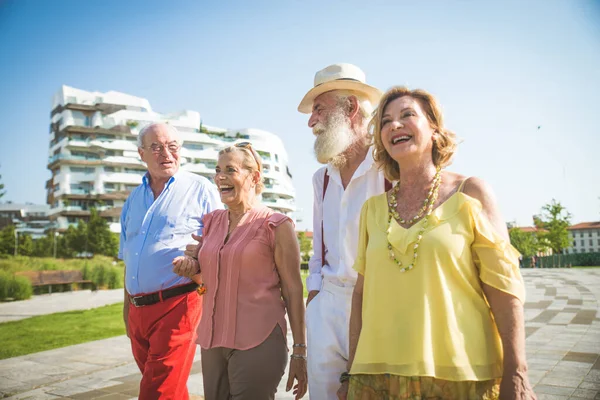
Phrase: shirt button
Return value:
(133, 277)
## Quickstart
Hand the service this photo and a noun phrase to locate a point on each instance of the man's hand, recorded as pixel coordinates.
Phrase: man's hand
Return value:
(192, 249)
(342, 392)
(186, 266)
(311, 295)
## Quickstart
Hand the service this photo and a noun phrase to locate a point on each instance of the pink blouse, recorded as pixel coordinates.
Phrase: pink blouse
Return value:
(243, 302)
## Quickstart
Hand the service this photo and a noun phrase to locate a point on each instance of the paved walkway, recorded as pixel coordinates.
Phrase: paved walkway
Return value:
(58, 302)
(563, 347)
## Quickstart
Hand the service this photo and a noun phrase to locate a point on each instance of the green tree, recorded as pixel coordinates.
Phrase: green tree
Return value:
(555, 220)
(100, 238)
(305, 246)
(77, 237)
(526, 242)
(25, 245)
(2, 191)
(43, 247)
(7, 240)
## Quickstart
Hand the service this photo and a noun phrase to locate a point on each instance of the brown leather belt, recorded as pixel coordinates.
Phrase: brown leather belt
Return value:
(157, 297)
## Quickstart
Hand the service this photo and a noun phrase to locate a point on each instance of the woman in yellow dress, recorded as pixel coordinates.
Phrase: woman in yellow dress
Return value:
(437, 311)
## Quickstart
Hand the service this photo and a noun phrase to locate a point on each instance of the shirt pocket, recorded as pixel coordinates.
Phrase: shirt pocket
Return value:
(176, 226)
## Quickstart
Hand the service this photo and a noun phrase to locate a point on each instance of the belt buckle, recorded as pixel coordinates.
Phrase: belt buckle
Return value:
(134, 301)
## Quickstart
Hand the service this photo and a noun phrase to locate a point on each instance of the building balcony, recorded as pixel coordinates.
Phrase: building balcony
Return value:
(122, 160)
(199, 168)
(279, 190)
(281, 204)
(76, 160)
(129, 178)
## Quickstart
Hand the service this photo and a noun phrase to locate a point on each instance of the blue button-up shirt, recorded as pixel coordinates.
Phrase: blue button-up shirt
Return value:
(155, 231)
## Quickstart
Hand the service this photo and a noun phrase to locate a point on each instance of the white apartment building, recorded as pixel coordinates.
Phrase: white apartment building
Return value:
(30, 219)
(585, 237)
(94, 161)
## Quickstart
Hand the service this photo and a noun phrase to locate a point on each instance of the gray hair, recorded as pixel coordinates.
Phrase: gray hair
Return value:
(148, 128)
(365, 106)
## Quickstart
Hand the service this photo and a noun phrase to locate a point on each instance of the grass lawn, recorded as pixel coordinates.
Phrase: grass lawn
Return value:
(52, 331)
(304, 274)
(47, 332)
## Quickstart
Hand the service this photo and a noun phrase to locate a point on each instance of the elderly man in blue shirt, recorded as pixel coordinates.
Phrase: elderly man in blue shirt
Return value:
(161, 309)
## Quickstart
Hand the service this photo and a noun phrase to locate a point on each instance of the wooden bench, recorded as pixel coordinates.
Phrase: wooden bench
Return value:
(49, 278)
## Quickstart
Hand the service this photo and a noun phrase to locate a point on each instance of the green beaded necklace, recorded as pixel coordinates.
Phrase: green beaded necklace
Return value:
(427, 209)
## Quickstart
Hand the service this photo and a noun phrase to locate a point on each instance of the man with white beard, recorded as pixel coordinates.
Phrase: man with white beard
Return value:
(340, 104)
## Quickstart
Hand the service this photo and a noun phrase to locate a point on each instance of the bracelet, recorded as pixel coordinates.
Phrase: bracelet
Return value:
(299, 345)
(298, 356)
(345, 376)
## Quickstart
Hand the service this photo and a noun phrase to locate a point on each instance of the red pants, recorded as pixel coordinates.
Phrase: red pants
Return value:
(163, 340)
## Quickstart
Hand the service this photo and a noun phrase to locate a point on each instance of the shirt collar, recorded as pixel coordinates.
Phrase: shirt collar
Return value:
(362, 169)
(146, 179)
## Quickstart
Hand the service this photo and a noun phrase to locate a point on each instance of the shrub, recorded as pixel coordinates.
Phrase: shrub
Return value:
(114, 278)
(5, 279)
(99, 275)
(20, 288)
(14, 287)
(85, 271)
(49, 266)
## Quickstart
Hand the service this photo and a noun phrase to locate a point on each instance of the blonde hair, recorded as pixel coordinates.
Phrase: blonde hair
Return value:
(252, 161)
(444, 145)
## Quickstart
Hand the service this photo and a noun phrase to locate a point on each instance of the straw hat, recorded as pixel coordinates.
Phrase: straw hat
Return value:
(339, 77)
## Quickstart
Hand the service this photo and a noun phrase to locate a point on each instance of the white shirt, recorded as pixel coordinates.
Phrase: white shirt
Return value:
(341, 210)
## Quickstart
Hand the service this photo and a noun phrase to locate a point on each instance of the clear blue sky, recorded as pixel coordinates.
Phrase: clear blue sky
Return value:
(500, 69)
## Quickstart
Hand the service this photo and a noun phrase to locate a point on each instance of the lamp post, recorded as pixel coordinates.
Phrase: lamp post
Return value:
(55, 236)
(16, 242)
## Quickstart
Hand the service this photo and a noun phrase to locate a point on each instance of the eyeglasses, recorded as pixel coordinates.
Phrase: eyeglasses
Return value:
(158, 148)
(248, 146)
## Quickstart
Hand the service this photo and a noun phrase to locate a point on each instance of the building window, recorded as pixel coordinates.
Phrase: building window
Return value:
(574, 243)
(109, 169)
(598, 242)
(582, 243)
(85, 170)
(591, 242)
(193, 146)
(276, 168)
(590, 233)
(81, 155)
(276, 158)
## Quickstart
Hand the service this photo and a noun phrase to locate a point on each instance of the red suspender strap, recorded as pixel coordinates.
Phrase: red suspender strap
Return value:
(325, 183)
(387, 185)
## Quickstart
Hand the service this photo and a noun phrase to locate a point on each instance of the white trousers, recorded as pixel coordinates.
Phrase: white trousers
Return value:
(327, 324)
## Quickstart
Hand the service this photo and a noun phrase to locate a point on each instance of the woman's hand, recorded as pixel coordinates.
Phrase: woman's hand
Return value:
(342, 392)
(297, 372)
(192, 249)
(186, 266)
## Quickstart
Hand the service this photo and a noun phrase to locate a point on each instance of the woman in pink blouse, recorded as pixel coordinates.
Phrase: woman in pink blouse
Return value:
(250, 265)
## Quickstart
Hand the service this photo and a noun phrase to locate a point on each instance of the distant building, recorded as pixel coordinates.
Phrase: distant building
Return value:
(533, 230)
(32, 219)
(585, 237)
(94, 160)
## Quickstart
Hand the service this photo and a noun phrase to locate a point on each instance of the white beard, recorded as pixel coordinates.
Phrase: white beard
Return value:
(333, 139)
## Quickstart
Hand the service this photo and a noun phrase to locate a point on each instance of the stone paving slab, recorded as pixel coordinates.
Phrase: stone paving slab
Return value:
(563, 351)
(58, 302)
